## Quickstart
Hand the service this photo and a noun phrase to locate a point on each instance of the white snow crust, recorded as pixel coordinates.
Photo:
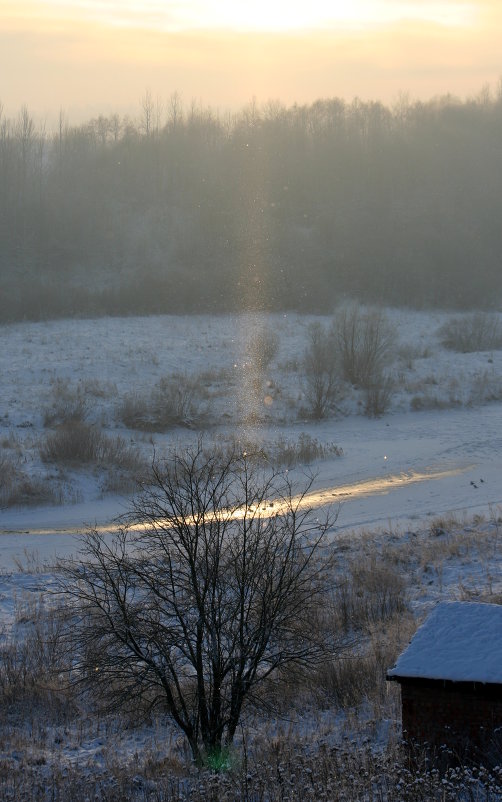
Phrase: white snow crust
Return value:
(459, 641)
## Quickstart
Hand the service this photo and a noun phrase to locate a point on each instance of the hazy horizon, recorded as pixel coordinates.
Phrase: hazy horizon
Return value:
(97, 56)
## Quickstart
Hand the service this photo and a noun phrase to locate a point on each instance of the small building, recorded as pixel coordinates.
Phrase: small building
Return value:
(451, 680)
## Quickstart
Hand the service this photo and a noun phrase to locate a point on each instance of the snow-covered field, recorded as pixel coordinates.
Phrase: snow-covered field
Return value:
(397, 472)
(436, 449)
(429, 467)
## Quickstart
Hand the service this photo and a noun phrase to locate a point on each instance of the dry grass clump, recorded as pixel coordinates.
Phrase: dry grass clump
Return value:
(307, 449)
(370, 592)
(69, 404)
(430, 392)
(481, 387)
(285, 768)
(486, 388)
(18, 489)
(79, 443)
(357, 676)
(478, 331)
(428, 400)
(174, 401)
(281, 452)
(31, 662)
(408, 353)
(370, 616)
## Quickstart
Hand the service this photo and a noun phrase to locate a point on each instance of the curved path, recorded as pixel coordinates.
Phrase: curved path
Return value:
(398, 471)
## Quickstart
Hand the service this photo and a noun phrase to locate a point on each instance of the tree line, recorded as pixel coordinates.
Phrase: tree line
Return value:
(184, 209)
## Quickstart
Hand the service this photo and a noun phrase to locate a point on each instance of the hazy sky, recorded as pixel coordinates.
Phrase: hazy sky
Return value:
(91, 56)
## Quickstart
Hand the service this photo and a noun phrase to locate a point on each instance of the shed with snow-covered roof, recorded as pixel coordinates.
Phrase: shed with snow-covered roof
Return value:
(451, 678)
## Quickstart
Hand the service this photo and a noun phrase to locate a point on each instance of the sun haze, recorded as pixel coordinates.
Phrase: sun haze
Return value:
(90, 56)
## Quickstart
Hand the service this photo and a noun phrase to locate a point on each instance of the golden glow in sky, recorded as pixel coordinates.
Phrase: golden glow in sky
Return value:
(102, 55)
(282, 15)
(254, 15)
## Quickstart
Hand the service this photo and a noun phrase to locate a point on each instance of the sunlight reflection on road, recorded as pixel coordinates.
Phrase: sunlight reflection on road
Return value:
(340, 494)
(378, 486)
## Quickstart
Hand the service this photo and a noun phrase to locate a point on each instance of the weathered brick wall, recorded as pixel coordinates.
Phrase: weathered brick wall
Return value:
(439, 714)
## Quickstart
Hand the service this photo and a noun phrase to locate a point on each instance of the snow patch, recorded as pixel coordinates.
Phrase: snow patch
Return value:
(459, 641)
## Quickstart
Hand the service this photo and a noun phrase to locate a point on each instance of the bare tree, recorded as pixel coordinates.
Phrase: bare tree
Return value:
(321, 369)
(208, 589)
(366, 341)
(148, 109)
(175, 111)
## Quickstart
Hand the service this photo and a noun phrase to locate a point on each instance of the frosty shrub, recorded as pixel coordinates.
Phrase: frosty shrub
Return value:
(365, 340)
(174, 401)
(378, 395)
(68, 404)
(478, 331)
(321, 371)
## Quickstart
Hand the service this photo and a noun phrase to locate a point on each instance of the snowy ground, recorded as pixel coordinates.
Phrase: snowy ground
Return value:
(399, 475)
(396, 470)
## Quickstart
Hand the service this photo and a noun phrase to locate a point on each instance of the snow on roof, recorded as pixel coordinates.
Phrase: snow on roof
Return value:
(459, 641)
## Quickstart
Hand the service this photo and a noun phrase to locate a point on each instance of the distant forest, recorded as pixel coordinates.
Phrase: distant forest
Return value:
(274, 207)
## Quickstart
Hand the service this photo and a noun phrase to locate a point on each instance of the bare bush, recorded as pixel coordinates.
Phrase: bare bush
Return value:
(321, 372)
(174, 401)
(378, 395)
(366, 341)
(478, 331)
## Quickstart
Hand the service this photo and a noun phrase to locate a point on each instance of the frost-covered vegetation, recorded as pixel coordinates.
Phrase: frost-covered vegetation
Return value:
(332, 733)
(85, 404)
(84, 407)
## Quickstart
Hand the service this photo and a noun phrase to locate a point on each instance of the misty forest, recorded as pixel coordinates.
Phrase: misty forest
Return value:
(185, 209)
